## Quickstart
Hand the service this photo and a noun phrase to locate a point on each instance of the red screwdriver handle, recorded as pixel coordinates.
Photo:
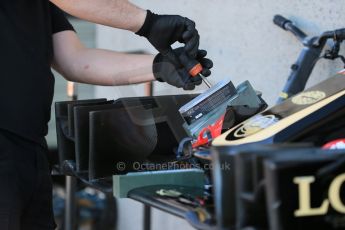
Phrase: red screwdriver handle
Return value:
(195, 70)
(192, 65)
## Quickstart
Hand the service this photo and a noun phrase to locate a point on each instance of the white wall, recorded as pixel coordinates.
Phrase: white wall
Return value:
(242, 41)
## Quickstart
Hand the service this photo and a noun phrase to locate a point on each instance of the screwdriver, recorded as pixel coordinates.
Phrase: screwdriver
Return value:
(194, 67)
(196, 71)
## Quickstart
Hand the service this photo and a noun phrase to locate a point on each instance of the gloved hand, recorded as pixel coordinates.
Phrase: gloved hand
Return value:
(175, 74)
(164, 30)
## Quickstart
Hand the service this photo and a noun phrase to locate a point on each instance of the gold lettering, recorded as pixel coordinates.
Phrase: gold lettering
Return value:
(334, 193)
(304, 198)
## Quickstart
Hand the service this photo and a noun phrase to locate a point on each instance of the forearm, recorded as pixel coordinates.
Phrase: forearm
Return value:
(115, 13)
(108, 68)
(100, 67)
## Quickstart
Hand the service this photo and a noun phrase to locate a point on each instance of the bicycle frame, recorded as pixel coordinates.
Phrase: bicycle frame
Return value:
(310, 54)
(302, 69)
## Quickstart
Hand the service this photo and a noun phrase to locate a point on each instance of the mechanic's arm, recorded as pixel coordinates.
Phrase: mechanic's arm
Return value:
(95, 66)
(101, 67)
(161, 30)
(115, 13)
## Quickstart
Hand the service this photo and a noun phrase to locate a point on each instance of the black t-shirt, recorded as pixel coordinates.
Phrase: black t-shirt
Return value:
(26, 51)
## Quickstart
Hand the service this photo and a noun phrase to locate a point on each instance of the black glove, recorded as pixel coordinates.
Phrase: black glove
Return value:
(175, 74)
(164, 30)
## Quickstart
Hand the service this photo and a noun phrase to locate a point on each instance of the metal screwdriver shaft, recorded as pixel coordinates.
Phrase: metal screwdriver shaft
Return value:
(204, 79)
